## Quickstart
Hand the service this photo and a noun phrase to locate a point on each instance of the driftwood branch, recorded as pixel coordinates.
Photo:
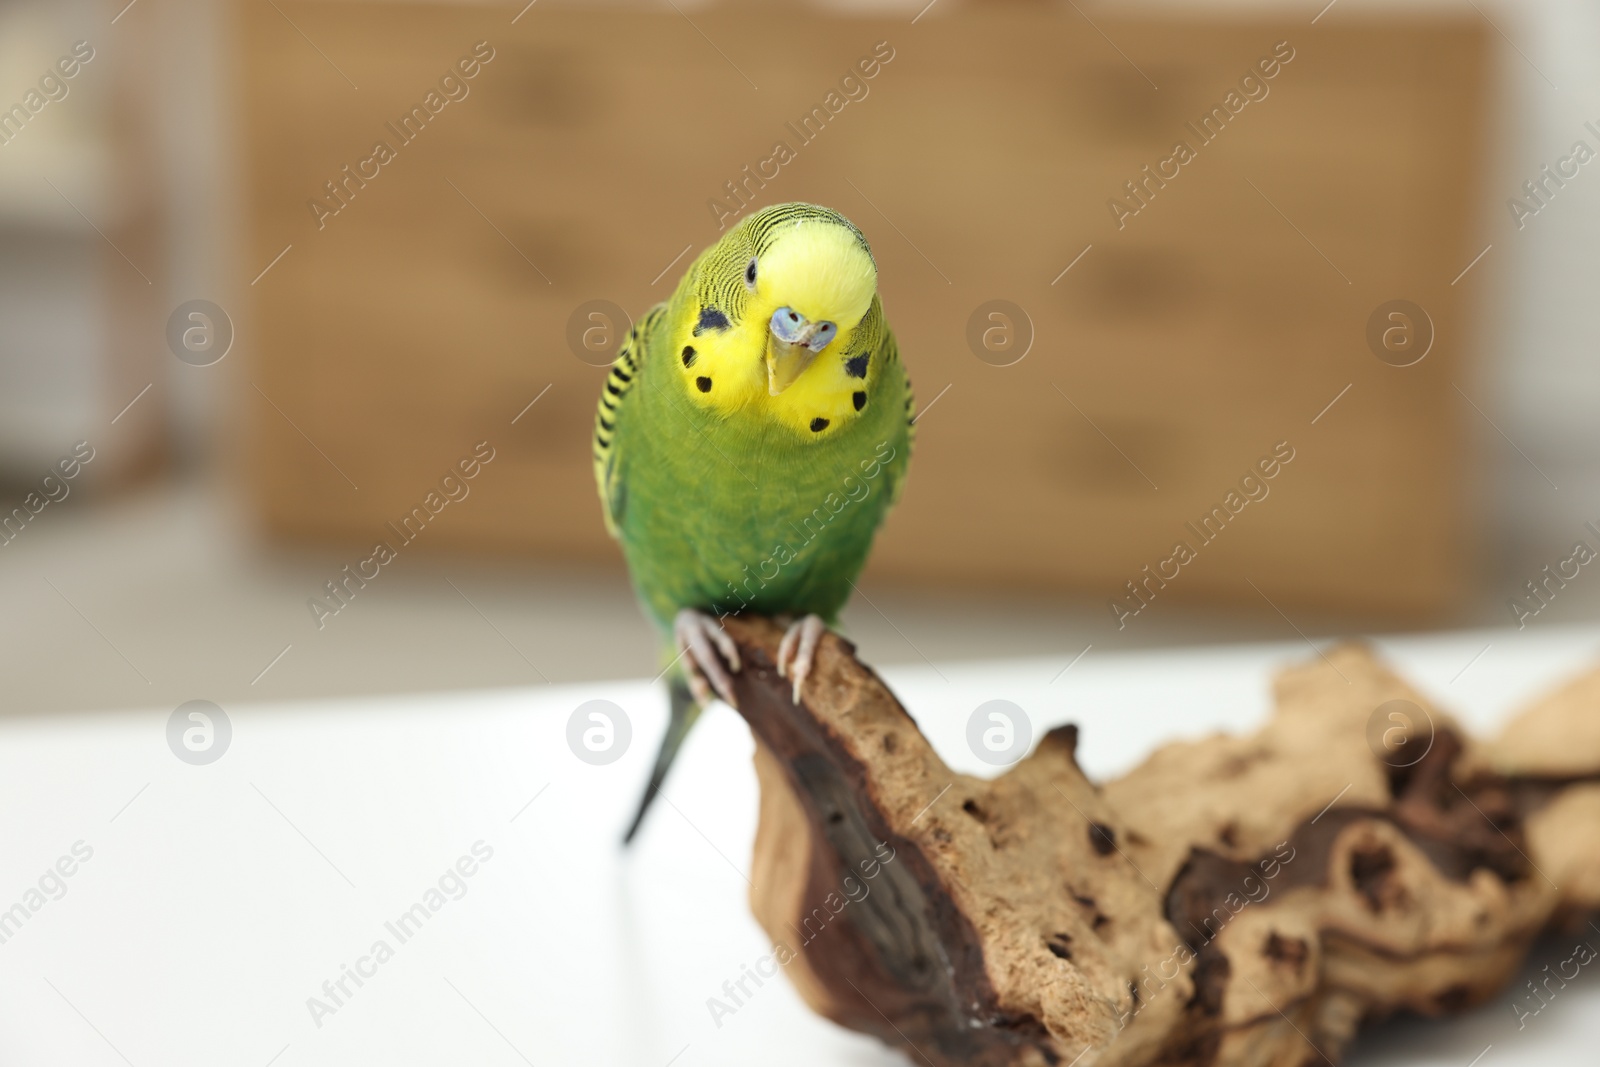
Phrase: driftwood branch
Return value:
(1233, 901)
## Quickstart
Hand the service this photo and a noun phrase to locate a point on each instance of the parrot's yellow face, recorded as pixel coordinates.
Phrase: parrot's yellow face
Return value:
(781, 320)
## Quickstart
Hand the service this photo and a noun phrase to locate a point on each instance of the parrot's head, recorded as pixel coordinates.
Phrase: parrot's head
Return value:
(781, 317)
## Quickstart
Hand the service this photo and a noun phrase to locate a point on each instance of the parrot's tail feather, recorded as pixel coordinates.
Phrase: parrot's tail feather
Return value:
(685, 710)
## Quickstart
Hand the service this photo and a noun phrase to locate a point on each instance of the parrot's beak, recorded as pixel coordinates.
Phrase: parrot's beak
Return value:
(785, 361)
(792, 344)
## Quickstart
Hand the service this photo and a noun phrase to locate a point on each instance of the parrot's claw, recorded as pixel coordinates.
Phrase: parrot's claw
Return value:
(798, 649)
(705, 645)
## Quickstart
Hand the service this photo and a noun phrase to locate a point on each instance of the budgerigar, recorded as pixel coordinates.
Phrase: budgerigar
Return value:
(752, 434)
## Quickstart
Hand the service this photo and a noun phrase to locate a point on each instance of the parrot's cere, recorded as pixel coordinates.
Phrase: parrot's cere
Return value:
(752, 434)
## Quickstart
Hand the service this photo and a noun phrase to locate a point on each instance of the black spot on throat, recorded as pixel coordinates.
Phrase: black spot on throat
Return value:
(818, 424)
(703, 384)
(856, 366)
(688, 355)
(710, 319)
(859, 400)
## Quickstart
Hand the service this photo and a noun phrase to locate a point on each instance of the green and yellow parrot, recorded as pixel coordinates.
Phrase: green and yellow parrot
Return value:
(752, 434)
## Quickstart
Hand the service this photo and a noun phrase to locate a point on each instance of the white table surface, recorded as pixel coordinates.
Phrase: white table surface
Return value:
(220, 897)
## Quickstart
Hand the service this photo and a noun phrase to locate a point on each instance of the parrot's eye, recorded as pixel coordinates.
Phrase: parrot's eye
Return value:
(750, 276)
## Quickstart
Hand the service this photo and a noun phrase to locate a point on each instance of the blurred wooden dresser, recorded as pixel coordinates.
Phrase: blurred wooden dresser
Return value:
(1175, 341)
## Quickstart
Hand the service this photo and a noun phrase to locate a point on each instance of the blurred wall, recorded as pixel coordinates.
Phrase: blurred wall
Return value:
(117, 205)
(56, 176)
(1542, 369)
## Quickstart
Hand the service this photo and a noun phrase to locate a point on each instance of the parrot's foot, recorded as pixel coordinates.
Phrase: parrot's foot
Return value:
(798, 649)
(700, 640)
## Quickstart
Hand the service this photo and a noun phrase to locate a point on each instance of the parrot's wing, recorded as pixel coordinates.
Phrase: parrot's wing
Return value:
(612, 410)
(897, 467)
